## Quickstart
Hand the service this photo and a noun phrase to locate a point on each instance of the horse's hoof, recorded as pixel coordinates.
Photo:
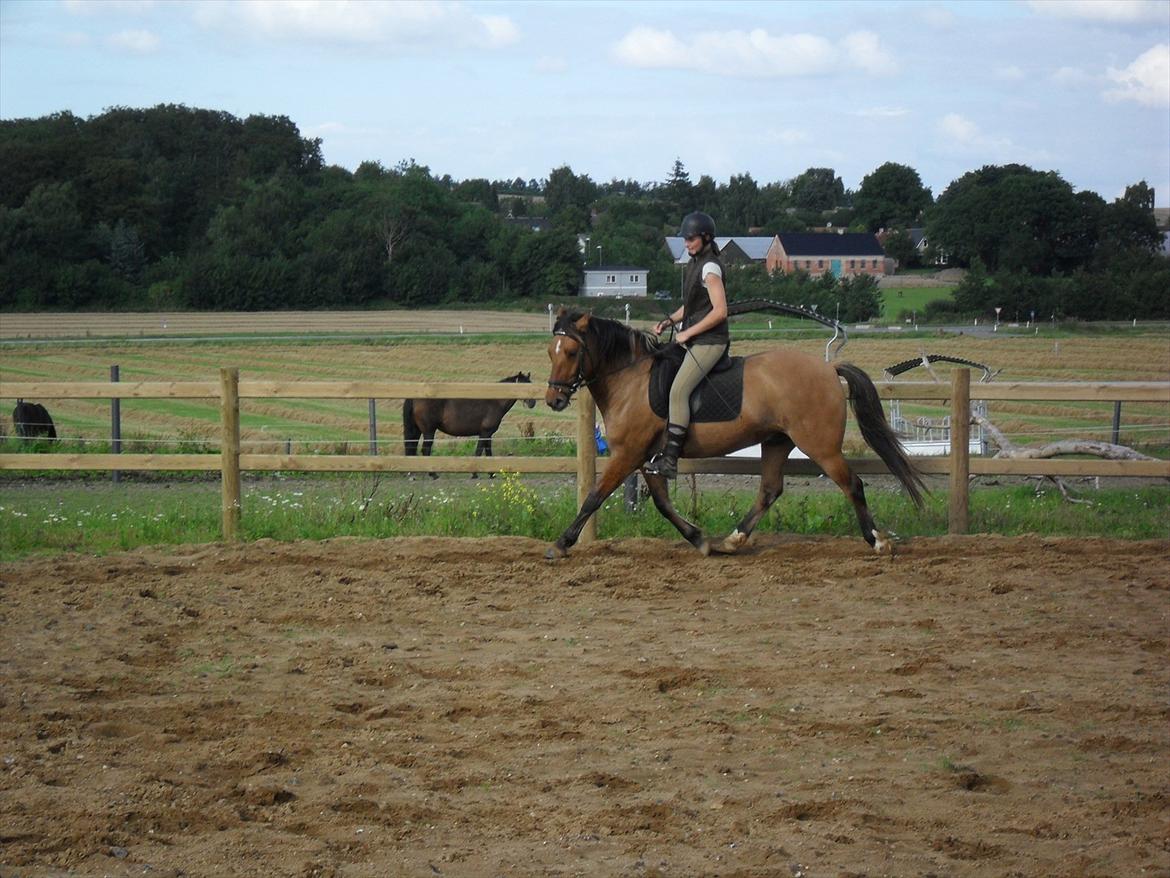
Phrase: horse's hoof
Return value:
(554, 553)
(883, 543)
(733, 543)
(704, 547)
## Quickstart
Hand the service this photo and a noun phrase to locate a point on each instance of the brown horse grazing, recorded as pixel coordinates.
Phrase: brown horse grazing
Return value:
(457, 417)
(790, 400)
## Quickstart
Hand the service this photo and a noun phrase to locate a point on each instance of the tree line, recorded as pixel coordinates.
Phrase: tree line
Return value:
(174, 207)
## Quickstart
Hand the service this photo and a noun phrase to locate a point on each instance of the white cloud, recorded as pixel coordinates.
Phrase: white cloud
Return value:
(1119, 11)
(136, 42)
(754, 53)
(965, 134)
(882, 112)
(1071, 76)
(548, 64)
(76, 39)
(105, 7)
(1010, 73)
(864, 51)
(1146, 80)
(959, 128)
(400, 23)
(786, 136)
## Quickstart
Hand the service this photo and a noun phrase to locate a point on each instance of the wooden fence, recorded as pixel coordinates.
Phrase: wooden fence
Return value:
(231, 461)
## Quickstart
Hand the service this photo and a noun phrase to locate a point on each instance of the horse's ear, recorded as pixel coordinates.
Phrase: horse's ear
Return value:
(582, 323)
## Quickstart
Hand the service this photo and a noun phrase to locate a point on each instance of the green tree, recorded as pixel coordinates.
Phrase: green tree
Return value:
(1009, 217)
(478, 191)
(900, 247)
(892, 196)
(817, 189)
(568, 198)
(679, 192)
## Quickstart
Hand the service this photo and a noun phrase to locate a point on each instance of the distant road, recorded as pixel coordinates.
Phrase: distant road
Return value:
(189, 324)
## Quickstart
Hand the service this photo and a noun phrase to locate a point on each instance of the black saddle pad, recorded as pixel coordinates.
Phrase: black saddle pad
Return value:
(717, 398)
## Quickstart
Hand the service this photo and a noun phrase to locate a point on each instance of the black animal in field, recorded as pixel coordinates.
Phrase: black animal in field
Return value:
(31, 420)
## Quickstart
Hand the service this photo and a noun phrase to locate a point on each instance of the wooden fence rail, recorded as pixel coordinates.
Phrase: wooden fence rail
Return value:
(230, 391)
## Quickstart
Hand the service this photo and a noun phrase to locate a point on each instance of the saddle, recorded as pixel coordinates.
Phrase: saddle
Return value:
(718, 397)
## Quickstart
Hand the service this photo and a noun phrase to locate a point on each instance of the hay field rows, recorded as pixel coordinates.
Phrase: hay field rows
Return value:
(268, 425)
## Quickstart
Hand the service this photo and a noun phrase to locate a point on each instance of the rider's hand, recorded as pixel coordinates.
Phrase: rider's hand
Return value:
(660, 326)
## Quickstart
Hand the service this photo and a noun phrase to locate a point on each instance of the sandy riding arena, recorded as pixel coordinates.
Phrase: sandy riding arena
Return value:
(973, 706)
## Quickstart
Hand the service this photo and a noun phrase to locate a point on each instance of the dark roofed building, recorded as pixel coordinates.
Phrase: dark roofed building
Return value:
(843, 254)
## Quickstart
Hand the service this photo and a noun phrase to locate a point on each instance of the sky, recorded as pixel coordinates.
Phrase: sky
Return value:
(621, 89)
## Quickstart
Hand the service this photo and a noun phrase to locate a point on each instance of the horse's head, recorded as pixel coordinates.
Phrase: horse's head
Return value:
(522, 378)
(568, 352)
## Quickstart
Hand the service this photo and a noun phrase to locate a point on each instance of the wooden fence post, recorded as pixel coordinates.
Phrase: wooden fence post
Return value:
(229, 381)
(586, 457)
(958, 516)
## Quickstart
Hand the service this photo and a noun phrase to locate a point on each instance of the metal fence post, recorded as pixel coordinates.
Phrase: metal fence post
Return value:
(229, 382)
(115, 424)
(958, 515)
(373, 427)
(586, 458)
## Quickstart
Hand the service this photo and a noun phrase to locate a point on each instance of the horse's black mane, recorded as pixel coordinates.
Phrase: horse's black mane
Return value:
(615, 341)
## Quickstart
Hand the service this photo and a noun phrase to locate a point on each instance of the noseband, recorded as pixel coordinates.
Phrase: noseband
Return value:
(579, 380)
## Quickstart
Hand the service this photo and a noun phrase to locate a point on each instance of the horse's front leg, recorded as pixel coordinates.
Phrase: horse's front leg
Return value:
(614, 474)
(660, 493)
(485, 442)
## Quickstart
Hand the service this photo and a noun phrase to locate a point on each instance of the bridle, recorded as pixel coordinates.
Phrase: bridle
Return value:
(579, 379)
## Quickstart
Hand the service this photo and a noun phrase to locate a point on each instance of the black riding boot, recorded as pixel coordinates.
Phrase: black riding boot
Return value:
(665, 462)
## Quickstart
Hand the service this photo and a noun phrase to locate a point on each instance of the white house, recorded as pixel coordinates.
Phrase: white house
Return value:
(614, 280)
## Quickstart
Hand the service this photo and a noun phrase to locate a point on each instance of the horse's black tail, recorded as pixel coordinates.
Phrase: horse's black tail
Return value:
(877, 432)
(410, 430)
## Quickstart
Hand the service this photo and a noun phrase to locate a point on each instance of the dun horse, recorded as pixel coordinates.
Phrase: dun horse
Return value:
(790, 400)
(457, 417)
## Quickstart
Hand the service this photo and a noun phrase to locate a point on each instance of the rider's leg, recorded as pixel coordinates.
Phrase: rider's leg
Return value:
(700, 359)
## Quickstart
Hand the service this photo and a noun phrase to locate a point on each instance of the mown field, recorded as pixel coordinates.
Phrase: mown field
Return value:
(387, 354)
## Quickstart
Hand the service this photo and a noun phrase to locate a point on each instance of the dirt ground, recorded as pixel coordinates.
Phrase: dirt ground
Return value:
(974, 706)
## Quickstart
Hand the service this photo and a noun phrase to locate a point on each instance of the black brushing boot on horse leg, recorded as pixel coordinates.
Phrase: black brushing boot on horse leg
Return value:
(665, 462)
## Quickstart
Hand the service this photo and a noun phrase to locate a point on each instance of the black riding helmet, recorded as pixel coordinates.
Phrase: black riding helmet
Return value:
(697, 223)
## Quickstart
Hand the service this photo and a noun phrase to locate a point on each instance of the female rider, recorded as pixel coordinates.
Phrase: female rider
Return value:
(704, 334)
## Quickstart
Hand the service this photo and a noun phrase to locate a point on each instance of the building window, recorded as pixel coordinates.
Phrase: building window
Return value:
(820, 263)
(852, 263)
(633, 278)
(611, 278)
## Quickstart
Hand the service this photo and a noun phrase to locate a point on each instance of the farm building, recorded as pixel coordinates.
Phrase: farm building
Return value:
(733, 250)
(614, 280)
(815, 252)
(843, 254)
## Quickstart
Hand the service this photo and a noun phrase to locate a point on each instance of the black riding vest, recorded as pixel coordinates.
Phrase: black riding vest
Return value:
(697, 303)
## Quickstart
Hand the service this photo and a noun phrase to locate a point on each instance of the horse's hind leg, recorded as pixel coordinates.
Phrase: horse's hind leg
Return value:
(773, 455)
(838, 470)
(660, 492)
(427, 441)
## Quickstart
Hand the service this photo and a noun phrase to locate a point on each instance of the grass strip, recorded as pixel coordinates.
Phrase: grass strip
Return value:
(99, 517)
